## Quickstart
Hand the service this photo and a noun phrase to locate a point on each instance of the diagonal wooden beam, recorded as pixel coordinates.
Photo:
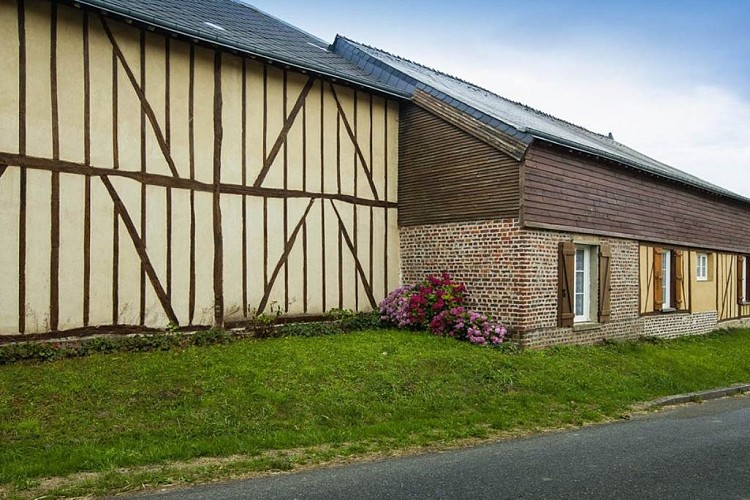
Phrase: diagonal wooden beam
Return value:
(353, 137)
(141, 97)
(2, 169)
(283, 259)
(360, 270)
(281, 139)
(140, 248)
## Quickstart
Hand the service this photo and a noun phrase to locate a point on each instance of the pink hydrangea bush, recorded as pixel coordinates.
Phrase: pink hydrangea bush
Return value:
(394, 309)
(437, 303)
(415, 306)
(463, 324)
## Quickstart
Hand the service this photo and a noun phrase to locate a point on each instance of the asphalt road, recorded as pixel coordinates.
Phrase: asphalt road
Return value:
(696, 451)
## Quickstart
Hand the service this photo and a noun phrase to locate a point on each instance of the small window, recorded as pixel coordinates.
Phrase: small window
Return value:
(744, 279)
(583, 280)
(586, 272)
(666, 280)
(701, 272)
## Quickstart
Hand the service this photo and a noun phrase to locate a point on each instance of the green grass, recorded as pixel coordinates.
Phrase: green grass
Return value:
(332, 396)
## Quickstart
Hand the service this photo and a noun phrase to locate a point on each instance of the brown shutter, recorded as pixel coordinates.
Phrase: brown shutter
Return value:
(605, 254)
(566, 283)
(677, 280)
(740, 265)
(658, 299)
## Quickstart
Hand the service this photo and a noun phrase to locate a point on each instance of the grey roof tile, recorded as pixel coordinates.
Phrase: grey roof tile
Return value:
(239, 26)
(524, 122)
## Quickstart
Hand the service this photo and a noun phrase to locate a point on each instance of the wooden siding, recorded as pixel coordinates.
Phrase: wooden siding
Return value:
(145, 180)
(446, 175)
(569, 191)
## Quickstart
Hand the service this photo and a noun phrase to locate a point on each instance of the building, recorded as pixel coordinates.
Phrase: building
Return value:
(565, 235)
(197, 162)
(186, 162)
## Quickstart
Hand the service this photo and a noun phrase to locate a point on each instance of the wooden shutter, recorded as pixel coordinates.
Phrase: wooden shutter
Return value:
(605, 256)
(678, 280)
(740, 266)
(566, 283)
(658, 299)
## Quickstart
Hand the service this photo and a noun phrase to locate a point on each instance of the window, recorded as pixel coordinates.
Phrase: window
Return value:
(666, 279)
(585, 298)
(744, 279)
(669, 283)
(583, 284)
(701, 272)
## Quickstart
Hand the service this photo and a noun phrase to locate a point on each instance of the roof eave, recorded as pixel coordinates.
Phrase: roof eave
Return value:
(214, 40)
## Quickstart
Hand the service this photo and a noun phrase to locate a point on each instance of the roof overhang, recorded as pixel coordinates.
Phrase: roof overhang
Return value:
(212, 40)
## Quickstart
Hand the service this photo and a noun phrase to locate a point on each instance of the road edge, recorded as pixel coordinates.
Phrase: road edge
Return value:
(692, 397)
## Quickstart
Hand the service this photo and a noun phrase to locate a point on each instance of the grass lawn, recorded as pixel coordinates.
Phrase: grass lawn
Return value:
(316, 399)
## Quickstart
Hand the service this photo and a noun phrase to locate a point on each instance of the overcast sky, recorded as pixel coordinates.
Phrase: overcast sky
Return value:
(668, 78)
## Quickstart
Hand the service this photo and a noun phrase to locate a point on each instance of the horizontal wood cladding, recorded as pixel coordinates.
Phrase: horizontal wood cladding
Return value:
(570, 191)
(446, 175)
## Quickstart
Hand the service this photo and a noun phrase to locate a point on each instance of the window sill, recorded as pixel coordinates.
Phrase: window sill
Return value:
(585, 326)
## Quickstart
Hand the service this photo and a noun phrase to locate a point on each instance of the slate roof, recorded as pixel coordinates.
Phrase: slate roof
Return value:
(512, 118)
(239, 26)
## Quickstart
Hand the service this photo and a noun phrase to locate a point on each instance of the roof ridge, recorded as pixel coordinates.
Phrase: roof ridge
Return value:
(526, 106)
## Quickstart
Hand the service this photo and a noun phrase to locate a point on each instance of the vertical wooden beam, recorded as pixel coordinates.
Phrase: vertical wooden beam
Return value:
(354, 206)
(338, 153)
(87, 162)
(218, 238)
(168, 140)
(244, 183)
(265, 153)
(115, 219)
(372, 229)
(304, 224)
(286, 186)
(191, 152)
(386, 288)
(142, 303)
(322, 190)
(22, 151)
(340, 255)
(54, 270)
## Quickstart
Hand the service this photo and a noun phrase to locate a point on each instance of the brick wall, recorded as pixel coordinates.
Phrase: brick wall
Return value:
(482, 254)
(511, 273)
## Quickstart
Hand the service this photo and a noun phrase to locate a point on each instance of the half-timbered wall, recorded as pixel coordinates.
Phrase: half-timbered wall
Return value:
(718, 293)
(145, 180)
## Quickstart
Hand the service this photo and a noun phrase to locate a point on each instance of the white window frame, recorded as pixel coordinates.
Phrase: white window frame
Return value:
(666, 280)
(586, 316)
(744, 278)
(701, 270)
